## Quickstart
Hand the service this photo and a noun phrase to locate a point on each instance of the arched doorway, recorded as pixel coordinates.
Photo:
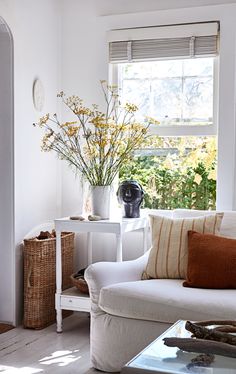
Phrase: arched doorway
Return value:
(7, 247)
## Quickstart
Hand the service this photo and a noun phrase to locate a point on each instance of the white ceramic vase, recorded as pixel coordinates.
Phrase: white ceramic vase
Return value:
(100, 198)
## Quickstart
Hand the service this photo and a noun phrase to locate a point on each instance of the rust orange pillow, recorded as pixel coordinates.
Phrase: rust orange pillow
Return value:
(211, 261)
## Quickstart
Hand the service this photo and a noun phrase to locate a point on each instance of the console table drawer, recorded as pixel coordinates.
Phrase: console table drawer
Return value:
(72, 303)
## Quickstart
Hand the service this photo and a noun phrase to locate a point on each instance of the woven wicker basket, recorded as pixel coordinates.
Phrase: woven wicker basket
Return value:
(40, 278)
(80, 283)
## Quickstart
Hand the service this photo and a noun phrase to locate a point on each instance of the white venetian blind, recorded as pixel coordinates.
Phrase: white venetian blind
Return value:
(164, 42)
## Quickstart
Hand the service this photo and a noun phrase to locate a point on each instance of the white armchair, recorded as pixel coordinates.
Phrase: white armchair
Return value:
(102, 274)
(114, 339)
(128, 313)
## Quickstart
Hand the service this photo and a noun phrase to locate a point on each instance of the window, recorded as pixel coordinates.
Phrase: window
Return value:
(173, 80)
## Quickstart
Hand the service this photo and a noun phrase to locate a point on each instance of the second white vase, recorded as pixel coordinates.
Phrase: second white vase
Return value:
(100, 198)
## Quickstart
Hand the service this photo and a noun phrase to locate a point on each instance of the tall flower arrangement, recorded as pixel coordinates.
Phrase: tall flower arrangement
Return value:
(96, 143)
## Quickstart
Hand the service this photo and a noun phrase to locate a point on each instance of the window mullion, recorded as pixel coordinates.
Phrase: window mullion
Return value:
(182, 93)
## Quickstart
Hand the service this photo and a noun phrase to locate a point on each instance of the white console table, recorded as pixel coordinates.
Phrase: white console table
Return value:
(72, 299)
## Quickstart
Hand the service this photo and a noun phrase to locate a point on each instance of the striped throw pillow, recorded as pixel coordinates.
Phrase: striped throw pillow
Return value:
(168, 257)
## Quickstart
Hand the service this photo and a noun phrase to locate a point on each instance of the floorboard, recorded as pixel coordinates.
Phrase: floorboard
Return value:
(24, 351)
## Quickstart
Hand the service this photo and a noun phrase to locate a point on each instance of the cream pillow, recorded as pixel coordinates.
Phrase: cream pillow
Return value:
(169, 252)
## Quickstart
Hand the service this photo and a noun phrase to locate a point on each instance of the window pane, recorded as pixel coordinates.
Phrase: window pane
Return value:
(166, 69)
(138, 92)
(175, 92)
(135, 70)
(197, 101)
(198, 66)
(167, 100)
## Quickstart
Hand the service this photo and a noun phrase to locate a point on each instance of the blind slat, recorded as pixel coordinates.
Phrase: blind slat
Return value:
(140, 50)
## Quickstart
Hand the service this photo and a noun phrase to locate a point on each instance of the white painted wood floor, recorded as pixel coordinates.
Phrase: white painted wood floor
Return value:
(25, 351)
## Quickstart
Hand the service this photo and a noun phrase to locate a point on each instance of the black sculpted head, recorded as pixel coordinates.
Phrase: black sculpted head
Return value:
(130, 195)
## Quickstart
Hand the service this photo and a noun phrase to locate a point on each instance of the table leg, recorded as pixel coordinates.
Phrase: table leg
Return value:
(58, 281)
(89, 248)
(59, 312)
(118, 248)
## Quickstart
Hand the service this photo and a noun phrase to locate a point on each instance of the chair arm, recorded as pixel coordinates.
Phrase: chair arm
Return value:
(101, 274)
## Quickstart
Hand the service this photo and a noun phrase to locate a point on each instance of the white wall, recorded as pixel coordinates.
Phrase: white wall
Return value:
(6, 165)
(85, 62)
(35, 26)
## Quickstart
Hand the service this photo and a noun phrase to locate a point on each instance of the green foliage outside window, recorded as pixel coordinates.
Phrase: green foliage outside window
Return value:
(184, 177)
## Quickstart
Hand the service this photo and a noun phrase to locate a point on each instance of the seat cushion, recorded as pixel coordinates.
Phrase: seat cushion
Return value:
(166, 300)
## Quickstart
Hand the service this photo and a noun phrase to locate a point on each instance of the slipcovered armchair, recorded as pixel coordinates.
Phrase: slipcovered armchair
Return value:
(113, 338)
(127, 313)
(102, 274)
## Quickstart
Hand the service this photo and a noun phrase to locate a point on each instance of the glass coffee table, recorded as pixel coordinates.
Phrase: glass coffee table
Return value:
(158, 358)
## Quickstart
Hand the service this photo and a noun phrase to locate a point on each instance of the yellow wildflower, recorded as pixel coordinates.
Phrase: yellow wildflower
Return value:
(103, 143)
(212, 175)
(45, 146)
(82, 111)
(100, 125)
(71, 131)
(43, 120)
(168, 163)
(66, 124)
(131, 107)
(113, 86)
(197, 178)
(153, 121)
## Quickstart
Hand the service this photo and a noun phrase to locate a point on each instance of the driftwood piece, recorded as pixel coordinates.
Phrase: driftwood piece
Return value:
(202, 332)
(202, 360)
(216, 322)
(225, 328)
(202, 346)
(222, 325)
